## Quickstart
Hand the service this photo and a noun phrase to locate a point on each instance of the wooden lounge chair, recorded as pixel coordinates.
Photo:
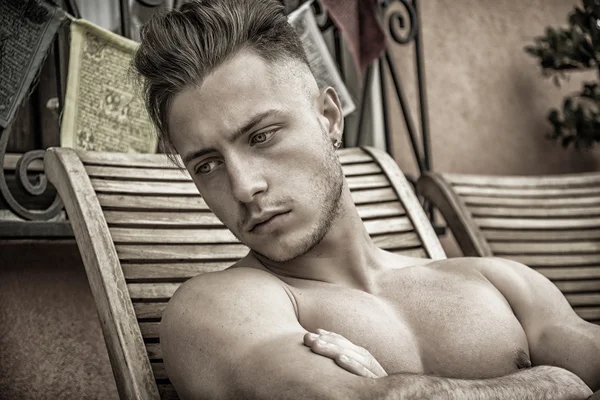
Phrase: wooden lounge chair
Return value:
(550, 223)
(142, 229)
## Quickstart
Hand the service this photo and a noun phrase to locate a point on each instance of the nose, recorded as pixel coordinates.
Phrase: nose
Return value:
(246, 178)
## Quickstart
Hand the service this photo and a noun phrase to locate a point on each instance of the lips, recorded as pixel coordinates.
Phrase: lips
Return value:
(263, 219)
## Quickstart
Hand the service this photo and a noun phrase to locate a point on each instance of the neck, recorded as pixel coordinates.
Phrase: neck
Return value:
(346, 256)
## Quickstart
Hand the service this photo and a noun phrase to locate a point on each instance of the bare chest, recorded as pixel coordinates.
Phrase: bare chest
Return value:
(423, 323)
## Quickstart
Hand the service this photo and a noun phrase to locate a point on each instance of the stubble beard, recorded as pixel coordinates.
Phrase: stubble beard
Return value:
(329, 191)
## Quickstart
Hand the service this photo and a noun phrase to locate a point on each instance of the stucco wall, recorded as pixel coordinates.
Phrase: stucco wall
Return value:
(51, 344)
(487, 99)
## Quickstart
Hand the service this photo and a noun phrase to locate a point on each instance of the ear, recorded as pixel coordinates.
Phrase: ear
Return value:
(331, 112)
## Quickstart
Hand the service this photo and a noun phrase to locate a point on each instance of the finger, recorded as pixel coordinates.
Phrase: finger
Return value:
(376, 368)
(325, 345)
(343, 357)
(353, 366)
(358, 353)
(310, 338)
(331, 350)
(341, 341)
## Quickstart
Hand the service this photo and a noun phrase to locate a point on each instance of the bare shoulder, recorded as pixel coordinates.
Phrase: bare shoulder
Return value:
(486, 266)
(224, 294)
(499, 271)
(213, 319)
(223, 286)
(526, 290)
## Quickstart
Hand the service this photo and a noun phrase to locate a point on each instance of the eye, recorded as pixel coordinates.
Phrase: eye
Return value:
(207, 167)
(261, 137)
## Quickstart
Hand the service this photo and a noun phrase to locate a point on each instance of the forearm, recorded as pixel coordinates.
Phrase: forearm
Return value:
(535, 383)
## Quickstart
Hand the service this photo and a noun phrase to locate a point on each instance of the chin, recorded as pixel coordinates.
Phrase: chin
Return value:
(276, 252)
(287, 249)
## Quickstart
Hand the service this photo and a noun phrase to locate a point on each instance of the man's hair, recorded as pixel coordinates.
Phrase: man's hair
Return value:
(180, 48)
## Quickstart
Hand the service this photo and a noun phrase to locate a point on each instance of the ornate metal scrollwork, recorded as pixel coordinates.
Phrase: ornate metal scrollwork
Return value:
(397, 24)
(404, 28)
(23, 180)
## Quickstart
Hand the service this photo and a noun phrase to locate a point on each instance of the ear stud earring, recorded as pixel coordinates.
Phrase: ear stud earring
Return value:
(337, 144)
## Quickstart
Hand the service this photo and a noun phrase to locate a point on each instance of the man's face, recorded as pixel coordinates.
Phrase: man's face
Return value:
(259, 148)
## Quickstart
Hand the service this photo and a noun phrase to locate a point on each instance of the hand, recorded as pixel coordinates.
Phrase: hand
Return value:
(352, 358)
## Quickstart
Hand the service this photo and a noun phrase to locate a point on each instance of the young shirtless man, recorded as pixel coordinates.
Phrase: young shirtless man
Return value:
(316, 310)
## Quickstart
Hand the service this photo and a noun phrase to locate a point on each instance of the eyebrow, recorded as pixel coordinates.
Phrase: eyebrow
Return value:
(255, 120)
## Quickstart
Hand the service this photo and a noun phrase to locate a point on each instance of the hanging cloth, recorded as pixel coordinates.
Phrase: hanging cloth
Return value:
(360, 26)
(27, 29)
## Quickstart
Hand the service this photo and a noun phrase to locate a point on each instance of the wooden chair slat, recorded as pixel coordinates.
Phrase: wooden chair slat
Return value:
(158, 369)
(158, 233)
(503, 248)
(589, 313)
(144, 188)
(381, 210)
(163, 219)
(536, 236)
(576, 201)
(526, 192)
(347, 156)
(122, 172)
(532, 223)
(152, 291)
(373, 196)
(132, 160)
(353, 155)
(534, 212)
(388, 225)
(369, 168)
(175, 235)
(188, 187)
(578, 286)
(584, 299)
(397, 240)
(367, 182)
(154, 351)
(561, 181)
(182, 252)
(135, 202)
(126, 173)
(364, 199)
(557, 260)
(170, 271)
(149, 310)
(417, 252)
(568, 273)
(165, 270)
(150, 330)
(374, 227)
(167, 391)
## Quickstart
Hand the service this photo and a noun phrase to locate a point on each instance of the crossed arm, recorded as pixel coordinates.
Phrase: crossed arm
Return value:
(245, 343)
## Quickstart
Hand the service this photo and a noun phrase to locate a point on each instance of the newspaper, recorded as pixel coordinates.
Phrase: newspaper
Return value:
(104, 110)
(321, 62)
